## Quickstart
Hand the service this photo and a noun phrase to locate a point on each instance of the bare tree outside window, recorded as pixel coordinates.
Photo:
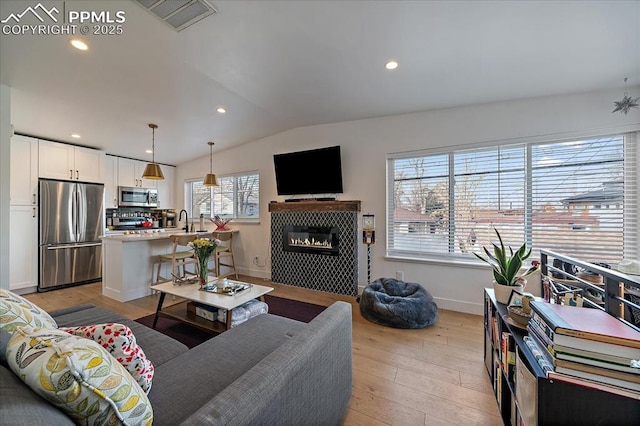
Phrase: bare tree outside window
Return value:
(248, 195)
(236, 196)
(576, 197)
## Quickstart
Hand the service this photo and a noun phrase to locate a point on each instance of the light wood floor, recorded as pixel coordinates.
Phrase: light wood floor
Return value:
(431, 376)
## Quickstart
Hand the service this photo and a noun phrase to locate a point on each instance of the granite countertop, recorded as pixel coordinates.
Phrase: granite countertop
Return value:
(155, 234)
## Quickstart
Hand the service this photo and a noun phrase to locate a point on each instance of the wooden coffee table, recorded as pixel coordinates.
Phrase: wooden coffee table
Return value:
(192, 292)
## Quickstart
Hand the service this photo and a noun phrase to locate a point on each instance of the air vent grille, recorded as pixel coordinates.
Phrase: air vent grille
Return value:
(179, 14)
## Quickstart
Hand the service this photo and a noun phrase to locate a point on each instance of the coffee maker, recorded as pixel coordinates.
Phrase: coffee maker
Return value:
(168, 219)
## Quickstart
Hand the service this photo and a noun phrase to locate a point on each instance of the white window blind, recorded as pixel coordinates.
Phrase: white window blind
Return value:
(576, 197)
(236, 197)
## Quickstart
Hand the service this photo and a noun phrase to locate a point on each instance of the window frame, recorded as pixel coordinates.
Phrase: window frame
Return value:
(631, 245)
(188, 197)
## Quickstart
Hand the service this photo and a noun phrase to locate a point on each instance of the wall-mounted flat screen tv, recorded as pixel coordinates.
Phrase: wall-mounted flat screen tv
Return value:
(317, 171)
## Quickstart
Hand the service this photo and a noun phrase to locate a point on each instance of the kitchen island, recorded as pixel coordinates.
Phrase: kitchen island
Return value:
(128, 262)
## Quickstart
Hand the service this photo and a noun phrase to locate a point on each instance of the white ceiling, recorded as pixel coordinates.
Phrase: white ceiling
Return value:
(277, 65)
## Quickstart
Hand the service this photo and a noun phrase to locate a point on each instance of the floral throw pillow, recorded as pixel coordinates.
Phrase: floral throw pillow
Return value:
(16, 311)
(119, 340)
(78, 376)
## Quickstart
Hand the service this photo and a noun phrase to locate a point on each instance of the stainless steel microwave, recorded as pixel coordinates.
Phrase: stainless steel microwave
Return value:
(137, 197)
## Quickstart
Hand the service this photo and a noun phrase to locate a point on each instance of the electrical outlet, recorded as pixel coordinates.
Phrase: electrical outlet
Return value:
(400, 275)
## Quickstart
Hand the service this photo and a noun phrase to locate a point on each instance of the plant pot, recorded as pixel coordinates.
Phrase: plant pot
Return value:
(503, 292)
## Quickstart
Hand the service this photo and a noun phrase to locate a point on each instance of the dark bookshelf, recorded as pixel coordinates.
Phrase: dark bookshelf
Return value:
(556, 402)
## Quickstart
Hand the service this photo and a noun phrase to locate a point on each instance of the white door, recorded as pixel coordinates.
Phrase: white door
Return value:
(56, 161)
(89, 165)
(23, 240)
(24, 171)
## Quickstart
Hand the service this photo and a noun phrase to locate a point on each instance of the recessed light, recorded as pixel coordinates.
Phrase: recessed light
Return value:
(221, 110)
(149, 151)
(79, 44)
(75, 136)
(391, 65)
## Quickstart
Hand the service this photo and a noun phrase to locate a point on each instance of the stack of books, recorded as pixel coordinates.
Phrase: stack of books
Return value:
(587, 347)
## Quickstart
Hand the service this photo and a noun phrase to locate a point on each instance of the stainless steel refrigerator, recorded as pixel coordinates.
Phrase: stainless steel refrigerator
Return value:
(70, 226)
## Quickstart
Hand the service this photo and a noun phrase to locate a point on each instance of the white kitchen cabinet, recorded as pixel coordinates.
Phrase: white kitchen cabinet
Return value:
(24, 171)
(166, 188)
(110, 181)
(130, 174)
(89, 165)
(70, 162)
(23, 240)
(127, 173)
(23, 213)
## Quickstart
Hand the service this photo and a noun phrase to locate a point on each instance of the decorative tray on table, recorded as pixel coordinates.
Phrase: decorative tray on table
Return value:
(226, 287)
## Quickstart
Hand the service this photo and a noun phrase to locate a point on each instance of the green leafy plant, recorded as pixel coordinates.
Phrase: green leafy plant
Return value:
(506, 267)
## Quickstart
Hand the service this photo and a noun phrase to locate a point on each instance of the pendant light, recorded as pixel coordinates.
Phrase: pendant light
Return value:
(152, 170)
(210, 178)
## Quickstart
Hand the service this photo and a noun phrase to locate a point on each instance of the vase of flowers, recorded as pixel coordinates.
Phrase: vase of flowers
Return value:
(203, 249)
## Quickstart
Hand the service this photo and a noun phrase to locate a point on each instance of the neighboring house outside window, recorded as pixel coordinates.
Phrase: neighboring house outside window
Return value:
(578, 198)
(236, 197)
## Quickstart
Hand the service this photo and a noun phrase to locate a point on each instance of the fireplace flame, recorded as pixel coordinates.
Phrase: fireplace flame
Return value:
(306, 242)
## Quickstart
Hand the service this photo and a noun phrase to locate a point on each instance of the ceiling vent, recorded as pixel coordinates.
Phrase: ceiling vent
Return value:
(179, 14)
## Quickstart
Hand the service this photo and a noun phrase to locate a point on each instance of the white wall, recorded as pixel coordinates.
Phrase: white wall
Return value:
(5, 173)
(365, 144)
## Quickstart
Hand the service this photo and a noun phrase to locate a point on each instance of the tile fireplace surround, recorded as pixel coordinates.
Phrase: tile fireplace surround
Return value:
(316, 271)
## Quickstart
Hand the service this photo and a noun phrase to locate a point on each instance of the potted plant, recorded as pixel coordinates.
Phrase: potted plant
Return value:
(506, 269)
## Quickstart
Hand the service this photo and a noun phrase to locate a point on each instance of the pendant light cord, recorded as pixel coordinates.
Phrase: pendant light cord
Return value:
(153, 142)
(153, 145)
(211, 157)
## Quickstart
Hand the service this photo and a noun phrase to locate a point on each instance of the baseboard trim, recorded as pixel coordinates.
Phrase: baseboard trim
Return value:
(258, 273)
(460, 306)
(450, 304)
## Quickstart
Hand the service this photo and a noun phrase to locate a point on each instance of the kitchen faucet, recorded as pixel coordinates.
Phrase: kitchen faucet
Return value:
(186, 219)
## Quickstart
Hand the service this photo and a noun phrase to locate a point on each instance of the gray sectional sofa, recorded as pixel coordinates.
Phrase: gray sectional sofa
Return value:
(269, 370)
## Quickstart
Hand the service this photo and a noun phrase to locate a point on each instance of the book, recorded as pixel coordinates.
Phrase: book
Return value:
(628, 347)
(534, 328)
(508, 350)
(630, 377)
(576, 355)
(538, 354)
(546, 351)
(559, 349)
(584, 323)
(598, 363)
(598, 378)
(565, 351)
(554, 375)
(496, 333)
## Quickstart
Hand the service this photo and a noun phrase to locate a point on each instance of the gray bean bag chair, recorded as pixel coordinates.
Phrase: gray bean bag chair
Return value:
(398, 304)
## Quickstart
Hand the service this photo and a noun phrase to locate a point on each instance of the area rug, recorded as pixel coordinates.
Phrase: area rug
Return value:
(191, 336)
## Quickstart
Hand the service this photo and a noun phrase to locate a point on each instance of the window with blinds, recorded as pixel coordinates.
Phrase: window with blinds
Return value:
(576, 197)
(236, 197)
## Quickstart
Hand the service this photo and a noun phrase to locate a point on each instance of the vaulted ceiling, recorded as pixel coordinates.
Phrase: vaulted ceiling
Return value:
(277, 65)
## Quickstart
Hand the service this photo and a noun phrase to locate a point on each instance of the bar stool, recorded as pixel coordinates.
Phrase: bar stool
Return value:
(178, 258)
(223, 255)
